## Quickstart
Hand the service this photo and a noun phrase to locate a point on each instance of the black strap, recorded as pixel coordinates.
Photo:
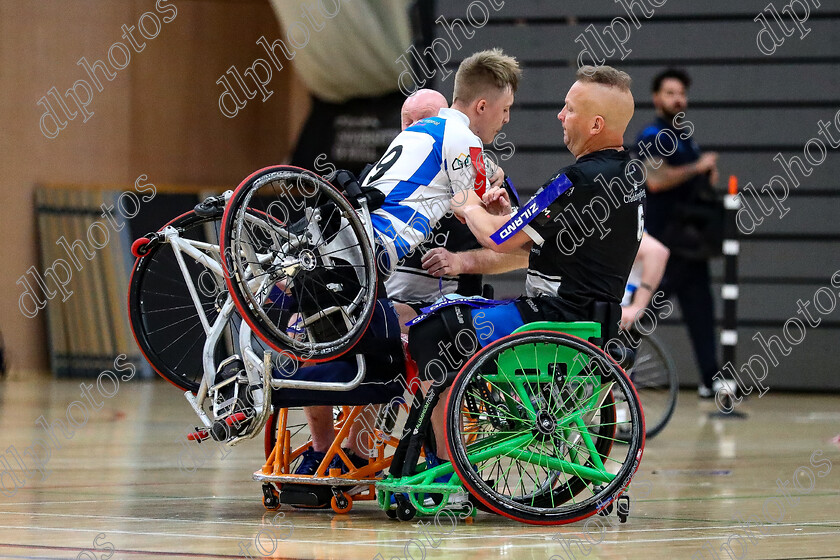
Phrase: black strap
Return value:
(350, 185)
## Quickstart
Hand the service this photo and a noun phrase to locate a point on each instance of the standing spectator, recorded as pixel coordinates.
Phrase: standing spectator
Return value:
(677, 171)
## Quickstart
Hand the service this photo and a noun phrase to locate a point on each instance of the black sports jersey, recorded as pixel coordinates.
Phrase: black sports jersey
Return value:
(586, 240)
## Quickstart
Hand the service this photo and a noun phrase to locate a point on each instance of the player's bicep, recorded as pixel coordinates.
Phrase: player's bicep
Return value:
(464, 197)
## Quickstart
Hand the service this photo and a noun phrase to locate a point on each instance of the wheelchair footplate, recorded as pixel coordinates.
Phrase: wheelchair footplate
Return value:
(419, 494)
(338, 492)
(327, 487)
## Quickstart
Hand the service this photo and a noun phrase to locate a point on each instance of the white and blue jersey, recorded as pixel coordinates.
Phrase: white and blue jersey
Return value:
(424, 167)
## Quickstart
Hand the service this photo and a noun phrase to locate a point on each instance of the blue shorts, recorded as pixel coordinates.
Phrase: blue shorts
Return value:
(382, 347)
(493, 323)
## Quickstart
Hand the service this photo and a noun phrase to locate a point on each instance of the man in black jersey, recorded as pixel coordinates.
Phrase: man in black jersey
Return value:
(582, 241)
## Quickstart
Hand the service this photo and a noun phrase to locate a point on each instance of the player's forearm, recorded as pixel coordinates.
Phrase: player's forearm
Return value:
(642, 295)
(482, 224)
(486, 261)
(653, 268)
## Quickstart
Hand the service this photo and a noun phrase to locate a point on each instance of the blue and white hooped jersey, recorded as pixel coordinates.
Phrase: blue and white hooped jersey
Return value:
(424, 167)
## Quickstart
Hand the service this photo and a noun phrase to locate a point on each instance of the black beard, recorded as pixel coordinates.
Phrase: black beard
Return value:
(669, 117)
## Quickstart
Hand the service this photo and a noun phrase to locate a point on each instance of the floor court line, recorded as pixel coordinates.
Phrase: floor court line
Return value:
(161, 508)
(123, 551)
(390, 529)
(138, 498)
(402, 544)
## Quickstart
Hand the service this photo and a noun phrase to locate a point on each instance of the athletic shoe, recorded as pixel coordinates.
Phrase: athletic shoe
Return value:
(308, 496)
(704, 392)
(725, 385)
(358, 462)
(432, 460)
(310, 461)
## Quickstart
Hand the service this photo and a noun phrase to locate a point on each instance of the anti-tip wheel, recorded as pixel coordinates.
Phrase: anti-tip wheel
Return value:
(405, 511)
(271, 498)
(341, 503)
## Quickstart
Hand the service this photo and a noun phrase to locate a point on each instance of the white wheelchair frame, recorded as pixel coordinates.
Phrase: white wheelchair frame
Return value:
(258, 369)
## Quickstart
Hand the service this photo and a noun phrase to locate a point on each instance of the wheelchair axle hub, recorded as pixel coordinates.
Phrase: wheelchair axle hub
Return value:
(545, 424)
(307, 259)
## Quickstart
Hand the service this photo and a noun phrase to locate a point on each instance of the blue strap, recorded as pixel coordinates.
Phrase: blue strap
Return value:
(532, 209)
(476, 302)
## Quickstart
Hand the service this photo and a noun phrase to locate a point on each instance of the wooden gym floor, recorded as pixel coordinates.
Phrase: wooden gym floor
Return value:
(114, 490)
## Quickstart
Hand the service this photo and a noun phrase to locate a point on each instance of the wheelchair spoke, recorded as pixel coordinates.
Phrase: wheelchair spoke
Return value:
(188, 331)
(186, 353)
(169, 310)
(175, 324)
(334, 251)
(163, 314)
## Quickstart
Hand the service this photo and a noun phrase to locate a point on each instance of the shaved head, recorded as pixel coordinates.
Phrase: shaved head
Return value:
(597, 111)
(614, 105)
(422, 104)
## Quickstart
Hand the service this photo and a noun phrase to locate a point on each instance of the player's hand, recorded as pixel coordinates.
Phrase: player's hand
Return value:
(497, 201)
(440, 262)
(714, 176)
(497, 179)
(628, 316)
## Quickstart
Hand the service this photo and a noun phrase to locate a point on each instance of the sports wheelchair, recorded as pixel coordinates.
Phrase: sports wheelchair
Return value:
(242, 302)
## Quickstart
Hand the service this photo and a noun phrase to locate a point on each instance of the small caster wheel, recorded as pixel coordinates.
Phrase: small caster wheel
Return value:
(622, 508)
(271, 498)
(405, 511)
(391, 513)
(140, 247)
(341, 503)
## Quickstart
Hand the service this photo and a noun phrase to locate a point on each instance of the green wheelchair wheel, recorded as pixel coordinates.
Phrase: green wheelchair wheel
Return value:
(537, 445)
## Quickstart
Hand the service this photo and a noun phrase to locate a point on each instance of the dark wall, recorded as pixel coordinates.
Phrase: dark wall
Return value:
(747, 105)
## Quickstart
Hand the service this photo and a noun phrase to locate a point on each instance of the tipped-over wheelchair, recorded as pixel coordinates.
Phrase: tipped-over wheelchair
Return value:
(259, 301)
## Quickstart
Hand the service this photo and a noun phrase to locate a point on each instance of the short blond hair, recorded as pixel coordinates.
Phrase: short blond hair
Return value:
(483, 71)
(604, 75)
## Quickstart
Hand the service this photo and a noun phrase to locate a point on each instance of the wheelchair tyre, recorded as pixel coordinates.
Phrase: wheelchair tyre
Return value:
(162, 314)
(655, 378)
(303, 275)
(542, 452)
